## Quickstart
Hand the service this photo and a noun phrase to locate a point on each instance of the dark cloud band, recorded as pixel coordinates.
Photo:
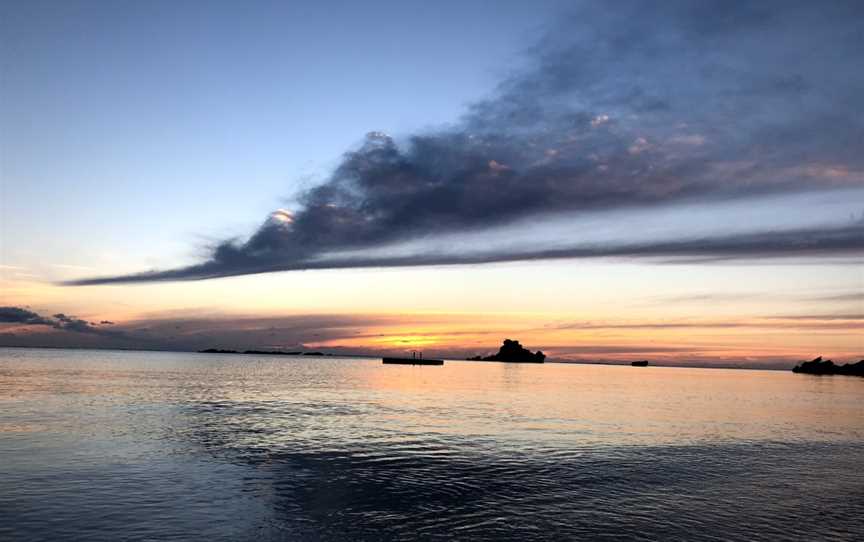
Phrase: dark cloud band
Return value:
(625, 104)
(817, 242)
(18, 315)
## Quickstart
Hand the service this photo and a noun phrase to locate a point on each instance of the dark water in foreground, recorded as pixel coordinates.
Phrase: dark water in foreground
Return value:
(145, 446)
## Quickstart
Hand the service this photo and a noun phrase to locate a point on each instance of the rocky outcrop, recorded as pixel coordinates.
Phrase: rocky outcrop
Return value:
(819, 366)
(513, 352)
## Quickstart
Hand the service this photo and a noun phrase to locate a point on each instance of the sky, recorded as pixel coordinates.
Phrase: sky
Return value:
(677, 181)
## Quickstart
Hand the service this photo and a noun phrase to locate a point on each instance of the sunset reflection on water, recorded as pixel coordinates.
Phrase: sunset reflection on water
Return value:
(297, 447)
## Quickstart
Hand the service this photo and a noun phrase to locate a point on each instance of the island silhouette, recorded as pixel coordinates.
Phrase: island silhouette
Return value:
(261, 352)
(513, 352)
(819, 366)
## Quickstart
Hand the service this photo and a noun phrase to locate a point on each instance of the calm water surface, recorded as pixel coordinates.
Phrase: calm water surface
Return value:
(101, 445)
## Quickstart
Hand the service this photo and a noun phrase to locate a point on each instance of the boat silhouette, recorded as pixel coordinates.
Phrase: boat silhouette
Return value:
(413, 360)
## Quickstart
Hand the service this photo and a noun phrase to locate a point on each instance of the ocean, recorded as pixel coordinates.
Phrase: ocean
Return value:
(121, 445)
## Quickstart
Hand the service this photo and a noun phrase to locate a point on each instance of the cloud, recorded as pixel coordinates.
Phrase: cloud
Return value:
(18, 315)
(857, 316)
(71, 323)
(853, 296)
(827, 242)
(814, 322)
(455, 336)
(624, 105)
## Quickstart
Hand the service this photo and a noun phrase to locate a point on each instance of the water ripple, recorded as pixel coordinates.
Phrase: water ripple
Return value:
(140, 446)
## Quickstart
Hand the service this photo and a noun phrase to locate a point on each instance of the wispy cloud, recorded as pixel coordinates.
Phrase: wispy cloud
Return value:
(813, 242)
(822, 317)
(842, 297)
(816, 322)
(761, 296)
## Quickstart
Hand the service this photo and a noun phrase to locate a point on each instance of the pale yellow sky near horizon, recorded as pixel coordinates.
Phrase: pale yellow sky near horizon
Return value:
(758, 310)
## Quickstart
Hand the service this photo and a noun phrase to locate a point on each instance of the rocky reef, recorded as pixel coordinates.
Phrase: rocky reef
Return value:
(819, 366)
(513, 352)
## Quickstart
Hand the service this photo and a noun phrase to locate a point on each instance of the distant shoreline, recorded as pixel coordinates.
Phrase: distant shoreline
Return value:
(376, 356)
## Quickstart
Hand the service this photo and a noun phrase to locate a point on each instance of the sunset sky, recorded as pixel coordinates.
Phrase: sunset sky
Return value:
(605, 181)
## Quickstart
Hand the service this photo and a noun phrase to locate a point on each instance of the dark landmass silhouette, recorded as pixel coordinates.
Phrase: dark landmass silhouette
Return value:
(260, 352)
(641, 363)
(819, 366)
(273, 352)
(513, 352)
